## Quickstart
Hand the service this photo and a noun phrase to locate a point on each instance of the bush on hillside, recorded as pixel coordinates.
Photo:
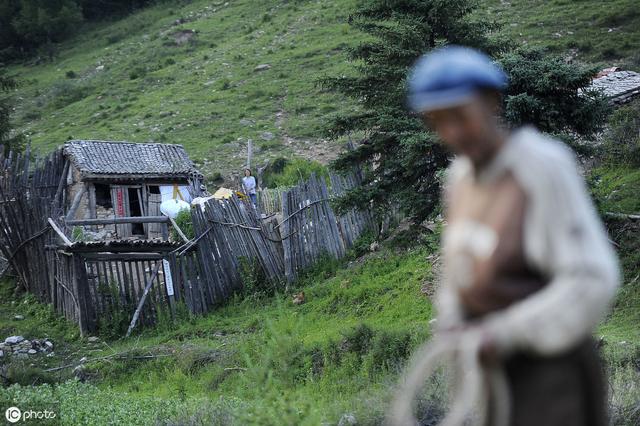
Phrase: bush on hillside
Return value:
(285, 173)
(622, 139)
(544, 91)
(185, 223)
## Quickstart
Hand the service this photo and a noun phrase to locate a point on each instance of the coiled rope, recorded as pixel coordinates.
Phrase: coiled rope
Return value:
(464, 348)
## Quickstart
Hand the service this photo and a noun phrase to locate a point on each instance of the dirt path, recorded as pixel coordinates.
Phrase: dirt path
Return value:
(320, 150)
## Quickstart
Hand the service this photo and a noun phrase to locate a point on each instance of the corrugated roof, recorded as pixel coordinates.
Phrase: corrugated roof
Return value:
(94, 157)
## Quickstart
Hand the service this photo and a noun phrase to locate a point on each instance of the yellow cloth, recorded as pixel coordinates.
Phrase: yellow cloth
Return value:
(223, 194)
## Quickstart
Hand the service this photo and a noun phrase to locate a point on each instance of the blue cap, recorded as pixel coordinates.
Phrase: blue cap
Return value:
(451, 76)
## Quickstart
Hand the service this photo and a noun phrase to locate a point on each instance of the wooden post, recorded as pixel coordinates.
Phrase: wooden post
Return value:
(83, 297)
(61, 184)
(92, 213)
(249, 152)
(165, 231)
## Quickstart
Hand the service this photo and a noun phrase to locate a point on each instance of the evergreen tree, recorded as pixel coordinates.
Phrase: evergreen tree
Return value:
(401, 159)
(552, 94)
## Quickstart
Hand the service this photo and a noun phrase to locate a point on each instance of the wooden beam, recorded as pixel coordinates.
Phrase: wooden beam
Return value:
(119, 249)
(178, 230)
(76, 202)
(122, 256)
(92, 201)
(623, 216)
(63, 180)
(58, 231)
(118, 220)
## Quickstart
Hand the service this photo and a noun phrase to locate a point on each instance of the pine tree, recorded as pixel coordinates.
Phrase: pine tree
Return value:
(552, 94)
(402, 161)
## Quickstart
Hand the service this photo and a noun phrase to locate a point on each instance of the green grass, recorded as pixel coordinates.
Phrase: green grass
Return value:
(205, 93)
(602, 32)
(616, 189)
(261, 359)
(266, 360)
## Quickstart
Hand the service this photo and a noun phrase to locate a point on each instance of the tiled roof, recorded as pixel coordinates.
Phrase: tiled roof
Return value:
(93, 157)
(619, 86)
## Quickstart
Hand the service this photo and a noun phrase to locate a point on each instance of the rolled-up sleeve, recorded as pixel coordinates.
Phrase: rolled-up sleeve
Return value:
(580, 263)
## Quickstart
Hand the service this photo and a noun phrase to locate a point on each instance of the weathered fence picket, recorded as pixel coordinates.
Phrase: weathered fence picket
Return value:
(90, 282)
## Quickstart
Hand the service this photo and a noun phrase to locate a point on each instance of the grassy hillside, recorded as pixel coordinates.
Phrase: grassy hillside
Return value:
(131, 80)
(262, 359)
(602, 32)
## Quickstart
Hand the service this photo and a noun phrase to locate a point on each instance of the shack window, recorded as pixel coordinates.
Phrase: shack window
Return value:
(103, 196)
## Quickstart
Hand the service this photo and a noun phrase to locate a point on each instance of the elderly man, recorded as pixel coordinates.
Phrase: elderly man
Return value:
(528, 265)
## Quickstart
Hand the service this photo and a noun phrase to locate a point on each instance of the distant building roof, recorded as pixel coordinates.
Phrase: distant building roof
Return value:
(619, 86)
(99, 158)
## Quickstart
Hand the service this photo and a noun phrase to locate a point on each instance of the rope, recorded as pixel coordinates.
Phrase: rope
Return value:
(299, 210)
(186, 246)
(464, 347)
(253, 228)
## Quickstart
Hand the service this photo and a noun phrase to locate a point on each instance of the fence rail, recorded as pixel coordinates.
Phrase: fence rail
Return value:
(91, 283)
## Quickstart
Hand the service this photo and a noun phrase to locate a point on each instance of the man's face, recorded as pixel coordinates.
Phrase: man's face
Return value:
(467, 129)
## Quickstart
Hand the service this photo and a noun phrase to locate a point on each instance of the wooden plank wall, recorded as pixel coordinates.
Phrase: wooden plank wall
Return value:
(28, 197)
(88, 287)
(270, 200)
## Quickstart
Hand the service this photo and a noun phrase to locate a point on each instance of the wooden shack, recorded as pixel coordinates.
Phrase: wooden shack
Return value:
(106, 180)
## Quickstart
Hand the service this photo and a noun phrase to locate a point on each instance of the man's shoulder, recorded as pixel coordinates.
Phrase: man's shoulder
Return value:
(537, 149)
(542, 163)
(458, 168)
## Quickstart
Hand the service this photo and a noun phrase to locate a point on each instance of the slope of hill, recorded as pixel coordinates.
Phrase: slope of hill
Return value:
(187, 72)
(263, 360)
(260, 360)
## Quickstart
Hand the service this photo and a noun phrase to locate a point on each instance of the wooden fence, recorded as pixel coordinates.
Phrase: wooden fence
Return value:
(98, 283)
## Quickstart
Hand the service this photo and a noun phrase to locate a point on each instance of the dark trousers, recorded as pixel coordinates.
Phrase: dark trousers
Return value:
(564, 390)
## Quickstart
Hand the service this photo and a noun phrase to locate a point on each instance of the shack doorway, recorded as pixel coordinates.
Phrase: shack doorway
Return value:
(136, 209)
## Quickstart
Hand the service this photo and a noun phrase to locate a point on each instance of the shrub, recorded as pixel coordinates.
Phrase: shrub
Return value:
(293, 172)
(185, 223)
(622, 139)
(67, 92)
(254, 279)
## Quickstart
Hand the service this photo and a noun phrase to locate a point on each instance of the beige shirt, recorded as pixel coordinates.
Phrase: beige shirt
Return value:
(563, 238)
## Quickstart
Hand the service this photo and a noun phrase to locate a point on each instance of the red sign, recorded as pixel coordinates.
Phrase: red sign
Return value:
(119, 203)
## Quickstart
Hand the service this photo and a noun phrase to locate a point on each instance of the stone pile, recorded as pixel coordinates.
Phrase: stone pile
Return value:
(20, 347)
